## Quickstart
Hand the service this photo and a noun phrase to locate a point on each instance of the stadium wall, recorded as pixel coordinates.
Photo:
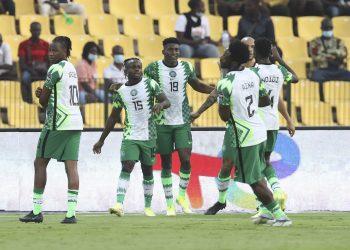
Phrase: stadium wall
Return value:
(314, 168)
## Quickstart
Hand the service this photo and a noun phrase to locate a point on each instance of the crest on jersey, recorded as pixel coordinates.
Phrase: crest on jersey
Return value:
(133, 92)
(172, 74)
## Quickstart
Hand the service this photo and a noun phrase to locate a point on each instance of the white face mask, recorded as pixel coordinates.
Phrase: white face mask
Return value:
(327, 33)
(118, 58)
(92, 57)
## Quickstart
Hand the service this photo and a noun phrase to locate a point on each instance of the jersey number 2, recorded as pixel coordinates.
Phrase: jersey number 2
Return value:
(249, 100)
(74, 96)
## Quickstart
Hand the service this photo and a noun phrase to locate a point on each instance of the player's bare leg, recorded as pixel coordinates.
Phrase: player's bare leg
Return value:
(223, 182)
(266, 197)
(185, 172)
(148, 184)
(168, 183)
(73, 190)
(40, 165)
(123, 184)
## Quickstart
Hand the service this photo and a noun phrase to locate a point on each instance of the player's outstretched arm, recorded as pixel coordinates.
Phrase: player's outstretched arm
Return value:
(200, 86)
(162, 103)
(279, 59)
(207, 104)
(111, 121)
(283, 110)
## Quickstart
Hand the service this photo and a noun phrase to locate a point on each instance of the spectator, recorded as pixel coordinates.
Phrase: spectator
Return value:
(328, 55)
(255, 22)
(306, 8)
(278, 7)
(33, 61)
(48, 8)
(337, 7)
(192, 30)
(7, 6)
(114, 74)
(7, 70)
(87, 75)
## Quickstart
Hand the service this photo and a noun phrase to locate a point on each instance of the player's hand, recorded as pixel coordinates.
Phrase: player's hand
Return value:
(97, 147)
(194, 116)
(157, 108)
(38, 92)
(275, 54)
(114, 87)
(291, 128)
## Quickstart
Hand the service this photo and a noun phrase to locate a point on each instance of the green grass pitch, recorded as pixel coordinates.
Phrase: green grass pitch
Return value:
(329, 231)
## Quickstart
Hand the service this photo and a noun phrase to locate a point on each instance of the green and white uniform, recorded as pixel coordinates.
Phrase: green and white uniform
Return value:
(273, 76)
(140, 129)
(241, 91)
(60, 137)
(173, 124)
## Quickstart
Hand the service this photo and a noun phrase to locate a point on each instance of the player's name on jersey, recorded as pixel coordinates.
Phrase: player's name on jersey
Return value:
(72, 75)
(273, 79)
(247, 85)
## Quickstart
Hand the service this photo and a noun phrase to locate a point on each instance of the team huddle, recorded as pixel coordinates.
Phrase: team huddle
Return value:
(158, 120)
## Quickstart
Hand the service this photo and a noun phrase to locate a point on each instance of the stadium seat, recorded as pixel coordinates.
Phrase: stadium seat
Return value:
(123, 8)
(92, 7)
(210, 68)
(341, 26)
(78, 43)
(183, 6)
(150, 46)
(343, 113)
(126, 42)
(13, 42)
(283, 26)
(10, 92)
(23, 115)
(298, 66)
(167, 25)
(94, 115)
(101, 25)
(216, 27)
(293, 48)
(156, 8)
(316, 114)
(102, 63)
(26, 20)
(7, 24)
(62, 28)
(305, 91)
(336, 91)
(138, 26)
(309, 27)
(24, 7)
(232, 23)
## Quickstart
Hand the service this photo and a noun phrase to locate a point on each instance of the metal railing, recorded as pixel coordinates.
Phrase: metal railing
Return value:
(309, 104)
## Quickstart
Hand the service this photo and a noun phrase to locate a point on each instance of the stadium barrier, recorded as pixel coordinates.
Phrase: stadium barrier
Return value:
(308, 165)
(309, 103)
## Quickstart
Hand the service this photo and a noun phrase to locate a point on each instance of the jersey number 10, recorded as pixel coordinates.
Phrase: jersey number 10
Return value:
(74, 95)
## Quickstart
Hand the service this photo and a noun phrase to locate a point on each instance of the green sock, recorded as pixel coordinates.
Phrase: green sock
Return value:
(184, 180)
(37, 200)
(223, 184)
(148, 191)
(123, 184)
(72, 202)
(168, 188)
(276, 210)
(271, 177)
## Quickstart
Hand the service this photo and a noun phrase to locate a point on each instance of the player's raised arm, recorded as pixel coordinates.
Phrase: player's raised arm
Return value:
(283, 110)
(279, 59)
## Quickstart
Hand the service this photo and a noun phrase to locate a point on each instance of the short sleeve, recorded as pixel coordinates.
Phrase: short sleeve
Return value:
(287, 76)
(149, 71)
(180, 25)
(117, 101)
(224, 89)
(189, 70)
(155, 88)
(53, 76)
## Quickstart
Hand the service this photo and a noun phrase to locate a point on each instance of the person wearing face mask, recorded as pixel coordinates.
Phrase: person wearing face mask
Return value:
(328, 55)
(193, 31)
(114, 74)
(87, 75)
